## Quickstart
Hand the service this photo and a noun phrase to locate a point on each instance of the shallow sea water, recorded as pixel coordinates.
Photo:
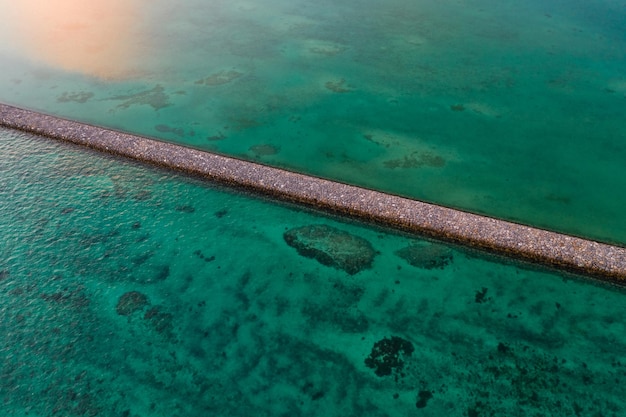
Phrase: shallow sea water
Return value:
(131, 291)
(515, 110)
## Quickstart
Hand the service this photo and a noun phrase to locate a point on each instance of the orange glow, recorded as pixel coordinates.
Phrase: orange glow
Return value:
(93, 37)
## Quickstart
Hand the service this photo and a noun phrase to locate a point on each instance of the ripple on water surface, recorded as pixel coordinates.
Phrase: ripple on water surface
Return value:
(510, 109)
(129, 291)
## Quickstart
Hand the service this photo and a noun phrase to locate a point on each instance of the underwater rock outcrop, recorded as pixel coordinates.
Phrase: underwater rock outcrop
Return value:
(416, 160)
(219, 78)
(426, 255)
(74, 298)
(264, 150)
(388, 355)
(422, 398)
(155, 98)
(79, 97)
(332, 247)
(131, 302)
(167, 129)
(160, 320)
(338, 86)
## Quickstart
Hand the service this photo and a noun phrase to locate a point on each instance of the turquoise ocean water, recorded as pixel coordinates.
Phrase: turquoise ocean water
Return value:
(127, 291)
(511, 109)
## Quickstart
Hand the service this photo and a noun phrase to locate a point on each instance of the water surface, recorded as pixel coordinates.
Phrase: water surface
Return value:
(510, 109)
(129, 291)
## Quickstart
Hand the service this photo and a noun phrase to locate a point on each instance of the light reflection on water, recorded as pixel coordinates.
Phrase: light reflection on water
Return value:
(97, 38)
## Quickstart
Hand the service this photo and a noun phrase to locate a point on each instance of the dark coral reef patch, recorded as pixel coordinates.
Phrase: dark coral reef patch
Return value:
(332, 247)
(160, 320)
(388, 355)
(219, 78)
(131, 302)
(416, 160)
(167, 129)
(426, 255)
(156, 98)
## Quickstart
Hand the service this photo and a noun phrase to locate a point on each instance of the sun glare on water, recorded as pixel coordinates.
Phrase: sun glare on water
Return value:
(98, 38)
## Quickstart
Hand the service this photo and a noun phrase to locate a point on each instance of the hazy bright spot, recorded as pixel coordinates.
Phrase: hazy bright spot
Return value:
(95, 37)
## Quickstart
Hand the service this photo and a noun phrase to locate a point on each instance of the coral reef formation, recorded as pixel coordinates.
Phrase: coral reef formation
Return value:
(332, 247)
(219, 78)
(80, 97)
(426, 255)
(338, 86)
(155, 98)
(160, 320)
(131, 302)
(422, 398)
(416, 160)
(167, 129)
(264, 150)
(388, 355)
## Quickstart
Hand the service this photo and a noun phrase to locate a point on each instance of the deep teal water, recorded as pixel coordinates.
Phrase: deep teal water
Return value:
(511, 109)
(129, 291)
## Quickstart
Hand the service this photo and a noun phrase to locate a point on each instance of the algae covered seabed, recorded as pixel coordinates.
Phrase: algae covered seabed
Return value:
(128, 291)
(509, 109)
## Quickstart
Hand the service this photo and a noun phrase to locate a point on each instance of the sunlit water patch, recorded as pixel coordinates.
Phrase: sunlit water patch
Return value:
(128, 291)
